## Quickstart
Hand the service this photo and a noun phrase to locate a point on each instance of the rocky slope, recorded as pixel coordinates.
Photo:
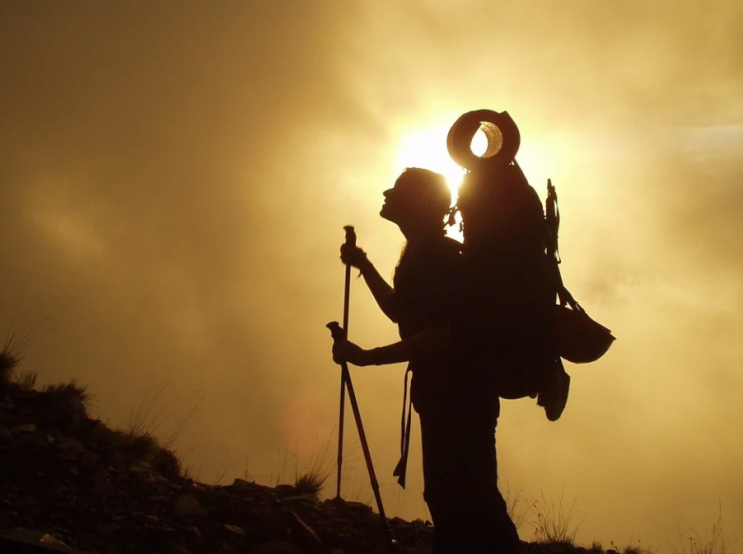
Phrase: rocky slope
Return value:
(68, 481)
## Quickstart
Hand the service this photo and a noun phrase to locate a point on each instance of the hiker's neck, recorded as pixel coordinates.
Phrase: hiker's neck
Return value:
(416, 232)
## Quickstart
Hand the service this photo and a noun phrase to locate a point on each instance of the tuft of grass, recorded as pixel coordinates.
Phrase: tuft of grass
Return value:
(555, 522)
(596, 548)
(71, 390)
(14, 345)
(144, 447)
(311, 482)
(26, 380)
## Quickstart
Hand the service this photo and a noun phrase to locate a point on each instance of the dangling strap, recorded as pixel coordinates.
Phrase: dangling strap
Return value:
(402, 465)
(553, 250)
(553, 222)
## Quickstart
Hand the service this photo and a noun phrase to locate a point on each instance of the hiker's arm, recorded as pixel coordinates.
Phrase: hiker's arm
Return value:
(380, 289)
(432, 341)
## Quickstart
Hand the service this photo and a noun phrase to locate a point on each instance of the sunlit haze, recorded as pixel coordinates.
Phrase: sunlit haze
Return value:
(175, 178)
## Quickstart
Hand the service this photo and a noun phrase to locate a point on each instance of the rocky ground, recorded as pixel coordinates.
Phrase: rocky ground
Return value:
(68, 481)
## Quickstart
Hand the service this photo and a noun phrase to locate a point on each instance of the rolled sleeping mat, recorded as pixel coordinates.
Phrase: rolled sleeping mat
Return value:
(502, 134)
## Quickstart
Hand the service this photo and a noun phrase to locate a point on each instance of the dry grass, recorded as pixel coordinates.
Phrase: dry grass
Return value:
(712, 543)
(70, 389)
(313, 478)
(25, 380)
(150, 414)
(311, 482)
(520, 508)
(555, 523)
(142, 447)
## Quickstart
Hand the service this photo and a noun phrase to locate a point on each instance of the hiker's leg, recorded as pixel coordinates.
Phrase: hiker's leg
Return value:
(438, 481)
(484, 522)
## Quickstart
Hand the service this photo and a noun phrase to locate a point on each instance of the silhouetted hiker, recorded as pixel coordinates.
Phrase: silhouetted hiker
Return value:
(457, 407)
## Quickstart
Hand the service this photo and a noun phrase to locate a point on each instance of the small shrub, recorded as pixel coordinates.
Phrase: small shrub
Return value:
(166, 463)
(139, 446)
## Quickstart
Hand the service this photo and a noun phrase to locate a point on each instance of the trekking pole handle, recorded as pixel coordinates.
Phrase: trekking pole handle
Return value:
(336, 331)
(350, 235)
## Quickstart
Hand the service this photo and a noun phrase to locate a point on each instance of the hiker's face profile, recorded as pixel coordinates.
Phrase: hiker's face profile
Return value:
(419, 198)
(399, 201)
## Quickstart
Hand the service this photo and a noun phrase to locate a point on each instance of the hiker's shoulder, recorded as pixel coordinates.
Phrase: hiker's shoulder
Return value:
(441, 244)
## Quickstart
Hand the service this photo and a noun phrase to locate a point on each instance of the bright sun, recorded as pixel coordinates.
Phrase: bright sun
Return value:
(426, 148)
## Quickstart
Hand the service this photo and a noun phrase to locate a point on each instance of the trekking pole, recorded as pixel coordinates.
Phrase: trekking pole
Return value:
(339, 334)
(350, 241)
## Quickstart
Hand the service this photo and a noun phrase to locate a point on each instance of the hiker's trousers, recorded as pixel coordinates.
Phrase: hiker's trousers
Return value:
(460, 475)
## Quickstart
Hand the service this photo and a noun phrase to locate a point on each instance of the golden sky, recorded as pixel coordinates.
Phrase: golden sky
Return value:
(174, 178)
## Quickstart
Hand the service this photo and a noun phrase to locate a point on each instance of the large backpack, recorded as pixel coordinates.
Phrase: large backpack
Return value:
(520, 320)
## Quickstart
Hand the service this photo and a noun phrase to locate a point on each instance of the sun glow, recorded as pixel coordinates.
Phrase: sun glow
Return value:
(426, 148)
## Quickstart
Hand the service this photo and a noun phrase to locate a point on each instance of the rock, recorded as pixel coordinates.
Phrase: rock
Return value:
(71, 446)
(116, 461)
(186, 505)
(285, 490)
(304, 534)
(33, 439)
(78, 489)
(306, 499)
(89, 461)
(24, 428)
(173, 547)
(277, 547)
(102, 483)
(52, 541)
(234, 529)
(109, 529)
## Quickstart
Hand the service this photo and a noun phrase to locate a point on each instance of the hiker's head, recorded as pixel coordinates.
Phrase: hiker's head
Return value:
(419, 198)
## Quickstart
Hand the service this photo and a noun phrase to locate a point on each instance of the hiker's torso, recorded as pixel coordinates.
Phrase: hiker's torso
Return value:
(427, 286)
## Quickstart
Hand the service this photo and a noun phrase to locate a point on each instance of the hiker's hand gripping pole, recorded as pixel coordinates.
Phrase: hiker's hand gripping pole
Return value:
(350, 241)
(338, 335)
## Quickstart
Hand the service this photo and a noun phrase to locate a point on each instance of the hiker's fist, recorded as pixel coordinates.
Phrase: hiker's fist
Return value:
(354, 256)
(346, 351)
